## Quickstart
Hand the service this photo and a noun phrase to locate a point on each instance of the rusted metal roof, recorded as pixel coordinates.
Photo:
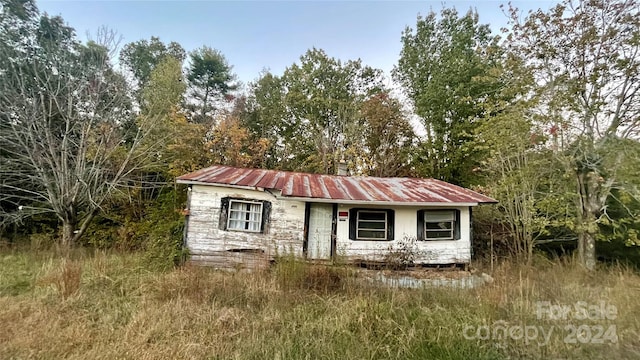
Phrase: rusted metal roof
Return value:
(338, 188)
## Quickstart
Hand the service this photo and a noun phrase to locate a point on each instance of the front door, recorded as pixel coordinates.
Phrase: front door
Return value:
(320, 227)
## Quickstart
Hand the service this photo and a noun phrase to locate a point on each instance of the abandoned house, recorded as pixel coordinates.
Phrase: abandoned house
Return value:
(239, 217)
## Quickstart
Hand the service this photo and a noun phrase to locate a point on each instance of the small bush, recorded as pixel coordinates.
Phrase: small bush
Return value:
(164, 252)
(403, 254)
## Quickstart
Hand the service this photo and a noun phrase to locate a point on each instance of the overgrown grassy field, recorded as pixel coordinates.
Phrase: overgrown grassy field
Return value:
(98, 305)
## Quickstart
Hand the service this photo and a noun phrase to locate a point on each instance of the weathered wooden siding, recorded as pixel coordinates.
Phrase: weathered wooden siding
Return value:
(209, 245)
(429, 252)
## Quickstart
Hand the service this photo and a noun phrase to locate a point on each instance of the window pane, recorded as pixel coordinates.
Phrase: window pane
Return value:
(371, 234)
(254, 226)
(367, 215)
(254, 216)
(236, 225)
(372, 225)
(235, 205)
(255, 207)
(439, 225)
(439, 235)
(439, 215)
(236, 215)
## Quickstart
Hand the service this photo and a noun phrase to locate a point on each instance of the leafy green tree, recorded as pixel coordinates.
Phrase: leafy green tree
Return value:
(585, 62)
(620, 220)
(266, 117)
(210, 81)
(523, 177)
(142, 56)
(165, 89)
(162, 99)
(622, 224)
(184, 143)
(309, 112)
(447, 66)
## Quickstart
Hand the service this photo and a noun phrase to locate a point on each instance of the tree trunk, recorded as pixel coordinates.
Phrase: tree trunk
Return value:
(588, 227)
(587, 249)
(68, 229)
(529, 251)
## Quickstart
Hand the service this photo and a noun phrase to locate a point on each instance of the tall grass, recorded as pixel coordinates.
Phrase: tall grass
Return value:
(107, 305)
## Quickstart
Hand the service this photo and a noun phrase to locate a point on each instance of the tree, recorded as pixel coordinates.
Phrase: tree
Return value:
(162, 98)
(523, 177)
(585, 59)
(62, 110)
(447, 66)
(210, 81)
(232, 144)
(266, 117)
(18, 23)
(142, 56)
(620, 221)
(165, 89)
(388, 137)
(312, 111)
(184, 143)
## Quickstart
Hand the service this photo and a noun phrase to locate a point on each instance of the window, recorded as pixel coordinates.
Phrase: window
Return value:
(371, 224)
(438, 225)
(244, 215)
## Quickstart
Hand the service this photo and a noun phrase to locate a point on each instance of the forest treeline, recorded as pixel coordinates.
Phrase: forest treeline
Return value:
(543, 116)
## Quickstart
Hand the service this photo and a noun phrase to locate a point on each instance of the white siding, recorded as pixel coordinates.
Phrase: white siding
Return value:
(406, 225)
(205, 239)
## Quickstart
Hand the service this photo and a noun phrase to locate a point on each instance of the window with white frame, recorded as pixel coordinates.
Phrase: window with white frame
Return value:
(440, 225)
(244, 215)
(371, 225)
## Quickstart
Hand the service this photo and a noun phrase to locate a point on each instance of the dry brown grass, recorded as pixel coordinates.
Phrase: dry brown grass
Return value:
(65, 277)
(104, 306)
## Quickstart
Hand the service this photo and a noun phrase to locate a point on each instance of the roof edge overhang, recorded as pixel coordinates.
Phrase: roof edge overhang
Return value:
(193, 182)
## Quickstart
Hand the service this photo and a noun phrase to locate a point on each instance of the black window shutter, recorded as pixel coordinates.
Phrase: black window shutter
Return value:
(390, 224)
(224, 213)
(266, 217)
(456, 231)
(353, 213)
(420, 236)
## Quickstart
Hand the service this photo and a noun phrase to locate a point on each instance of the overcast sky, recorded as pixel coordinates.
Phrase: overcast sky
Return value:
(254, 35)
